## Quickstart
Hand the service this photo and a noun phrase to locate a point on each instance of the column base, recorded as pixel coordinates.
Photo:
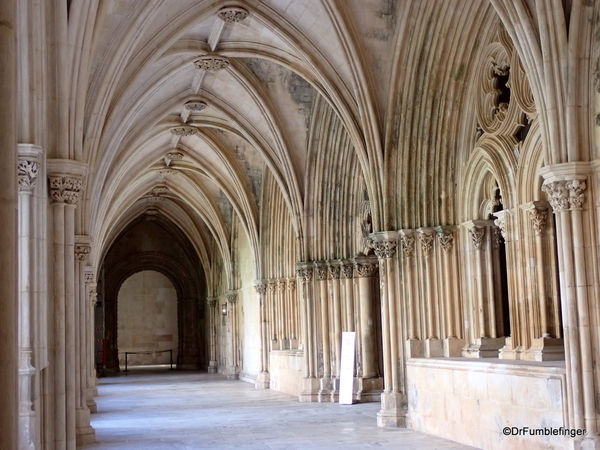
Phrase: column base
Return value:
(309, 390)
(213, 367)
(263, 380)
(85, 434)
(92, 406)
(233, 373)
(545, 349)
(433, 348)
(393, 410)
(325, 389)
(509, 351)
(27, 430)
(414, 348)
(369, 389)
(484, 347)
(453, 347)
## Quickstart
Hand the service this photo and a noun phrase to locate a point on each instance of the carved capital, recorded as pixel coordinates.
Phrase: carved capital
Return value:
(272, 286)
(28, 172)
(65, 189)
(211, 302)
(426, 237)
(291, 284)
(538, 214)
(576, 190)
(407, 242)
(281, 284)
(334, 272)
(82, 251)
(558, 196)
(305, 274)
(445, 238)
(346, 270)
(476, 233)
(88, 277)
(261, 289)
(321, 272)
(232, 14)
(231, 297)
(365, 269)
(385, 249)
(211, 63)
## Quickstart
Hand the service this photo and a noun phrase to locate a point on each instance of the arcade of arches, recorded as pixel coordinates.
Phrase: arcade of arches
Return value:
(420, 172)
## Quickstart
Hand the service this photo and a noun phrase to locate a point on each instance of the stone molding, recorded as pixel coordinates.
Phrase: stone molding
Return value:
(334, 272)
(304, 273)
(407, 242)
(365, 267)
(82, 251)
(321, 272)
(211, 63)
(232, 14)
(346, 270)
(64, 189)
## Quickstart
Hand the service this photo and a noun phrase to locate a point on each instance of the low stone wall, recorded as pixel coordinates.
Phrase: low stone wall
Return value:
(472, 402)
(285, 367)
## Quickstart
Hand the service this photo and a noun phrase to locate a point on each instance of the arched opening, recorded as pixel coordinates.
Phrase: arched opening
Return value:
(147, 320)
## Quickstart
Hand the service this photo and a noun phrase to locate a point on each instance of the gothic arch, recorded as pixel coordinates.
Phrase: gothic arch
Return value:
(191, 351)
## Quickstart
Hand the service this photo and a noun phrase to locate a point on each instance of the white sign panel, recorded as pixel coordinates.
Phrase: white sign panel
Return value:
(347, 367)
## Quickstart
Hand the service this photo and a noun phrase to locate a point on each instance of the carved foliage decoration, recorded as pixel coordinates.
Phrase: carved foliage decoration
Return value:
(261, 289)
(28, 172)
(346, 271)
(321, 273)
(477, 234)
(365, 270)
(195, 105)
(385, 249)
(408, 244)
(334, 272)
(557, 195)
(305, 274)
(184, 130)
(232, 14)
(65, 189)
(576, 195)
(426, 240)
(211, 63)
(445, 239)
(539, 218)
(82, 251)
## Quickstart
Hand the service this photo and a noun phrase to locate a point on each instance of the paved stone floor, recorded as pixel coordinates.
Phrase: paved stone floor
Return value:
(162, 410)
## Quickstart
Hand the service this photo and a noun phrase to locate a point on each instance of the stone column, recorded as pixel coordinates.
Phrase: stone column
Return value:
(213, 365)
(281, 316)
(321, 286)
(413, 344)
(293, 312)
(393, 399)
(90, 305)
(453, 343)
(565, 185)
(310, 384)
(271, 308)
(233, 372)
(66, 180)
(334, 281)
(366, 269)
(263, 380)
(85, 433)
(346, 274)
(433, 344)
(9, 350)
(28, 172)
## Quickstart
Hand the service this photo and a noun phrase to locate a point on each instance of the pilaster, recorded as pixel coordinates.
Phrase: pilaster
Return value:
(263, 380)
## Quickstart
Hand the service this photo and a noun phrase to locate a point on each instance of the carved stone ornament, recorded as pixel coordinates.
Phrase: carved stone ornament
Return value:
(155, 199)
(232, 14)
(272, 285)
(89, 277)
(334, 272)
(445, 238)
(152, 212)
(347, 271)
(195, 105)
(291, 284)
(426, 240)
(184, 130)
(408, 245)
(557, 195)
(65, 189)
(261, 289)
(501, 227)
(477, 234)
(211, 63)
(321, 272)
(82, 251)
(211, 301)
(231, 297)
(576, 195)
(539, 218)
(28, 172)
(281, 284)
(305, 274)
(365, 270)
(165, 174)
(385, 249)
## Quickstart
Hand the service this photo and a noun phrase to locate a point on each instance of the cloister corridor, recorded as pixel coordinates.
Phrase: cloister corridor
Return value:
(155, 409)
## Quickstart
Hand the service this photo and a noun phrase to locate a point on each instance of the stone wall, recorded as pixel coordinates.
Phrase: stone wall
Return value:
(147, 319)
(473, 401)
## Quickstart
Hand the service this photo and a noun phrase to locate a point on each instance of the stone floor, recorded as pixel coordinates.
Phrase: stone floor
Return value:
(162, 410)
